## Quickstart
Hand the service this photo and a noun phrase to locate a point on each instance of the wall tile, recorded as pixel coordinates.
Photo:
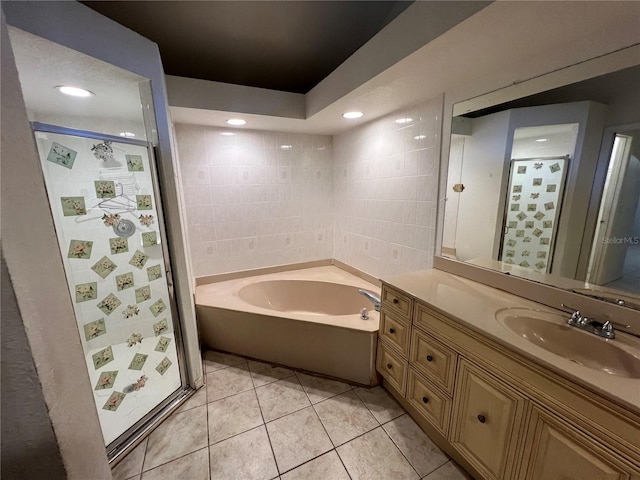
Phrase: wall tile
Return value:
(250, 203)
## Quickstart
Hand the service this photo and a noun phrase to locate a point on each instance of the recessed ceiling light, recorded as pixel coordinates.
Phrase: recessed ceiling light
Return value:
(541, 139)
(419, 137)
(352, 114)
(286, 147)
(127, 134)
(236, 121)
(402, 121)
(73, 91)
(227, 134)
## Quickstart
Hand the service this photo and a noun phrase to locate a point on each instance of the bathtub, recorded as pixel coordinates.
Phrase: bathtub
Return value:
(307, 319)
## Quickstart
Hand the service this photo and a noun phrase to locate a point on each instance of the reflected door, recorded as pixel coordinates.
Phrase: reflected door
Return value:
(109, 226)
(533, 202)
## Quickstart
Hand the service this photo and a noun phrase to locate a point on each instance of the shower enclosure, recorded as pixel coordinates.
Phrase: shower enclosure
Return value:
(108, 220)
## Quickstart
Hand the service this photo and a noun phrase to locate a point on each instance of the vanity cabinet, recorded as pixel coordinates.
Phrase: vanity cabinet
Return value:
(487, 418)
(556, 450)
(497, 413)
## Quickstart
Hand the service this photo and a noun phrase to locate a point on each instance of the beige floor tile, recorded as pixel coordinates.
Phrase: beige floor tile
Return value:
(214, 360)
(373, 456)
(247, 456)
(180, 434)
(194, 466)
(319, 388)
(195, 400)
(131, 465)
(449, 471)
(380, 402)
(227, 382)
(137, 477)
(264, 373)
(233, 415)
(345, 417)
(297, 438)
(421, 452)
(325, 467)
(280, 398)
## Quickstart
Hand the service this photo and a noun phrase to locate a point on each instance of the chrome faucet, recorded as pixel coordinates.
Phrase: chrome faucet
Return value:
(590, 325)
(375, 299)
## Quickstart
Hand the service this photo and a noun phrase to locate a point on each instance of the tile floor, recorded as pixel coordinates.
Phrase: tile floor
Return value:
(256, 422)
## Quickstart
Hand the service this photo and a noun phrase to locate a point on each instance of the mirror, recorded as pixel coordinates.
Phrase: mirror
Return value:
(547, 187)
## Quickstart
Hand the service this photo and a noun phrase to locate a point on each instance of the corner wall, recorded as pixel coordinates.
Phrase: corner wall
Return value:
(385, 181)
(249, 202)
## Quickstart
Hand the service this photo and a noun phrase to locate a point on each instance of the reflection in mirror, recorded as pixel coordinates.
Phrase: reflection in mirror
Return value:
(547, 187)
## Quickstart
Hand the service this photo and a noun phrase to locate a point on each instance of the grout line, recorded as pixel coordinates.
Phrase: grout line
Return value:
(206, 402)
(174, 459)
(401, 452)
(264, 424)
(177, 458)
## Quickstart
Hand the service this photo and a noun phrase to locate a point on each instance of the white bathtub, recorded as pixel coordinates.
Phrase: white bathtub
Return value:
(307, 319)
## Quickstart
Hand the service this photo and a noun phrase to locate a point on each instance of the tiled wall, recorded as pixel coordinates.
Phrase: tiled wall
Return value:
(385, 178)
(251, 203)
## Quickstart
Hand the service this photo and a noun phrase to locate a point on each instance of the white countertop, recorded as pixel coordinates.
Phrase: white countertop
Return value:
(474, 305)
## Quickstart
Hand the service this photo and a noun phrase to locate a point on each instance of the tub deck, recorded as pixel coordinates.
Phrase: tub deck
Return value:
(341, 346)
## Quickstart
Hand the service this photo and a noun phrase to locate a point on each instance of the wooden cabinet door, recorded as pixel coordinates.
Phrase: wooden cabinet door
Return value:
(557, 451)
(487, 421)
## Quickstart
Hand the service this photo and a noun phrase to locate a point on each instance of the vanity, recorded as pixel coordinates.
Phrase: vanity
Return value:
(476, 369)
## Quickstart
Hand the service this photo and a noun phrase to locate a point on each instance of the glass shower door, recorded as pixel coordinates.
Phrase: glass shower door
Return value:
(109, 225)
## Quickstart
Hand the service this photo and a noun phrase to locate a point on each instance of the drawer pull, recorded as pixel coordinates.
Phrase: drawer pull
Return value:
(429, 358)
(391, 330)
(482, 418)
(395, 301)
(425, 399)
(389, 366)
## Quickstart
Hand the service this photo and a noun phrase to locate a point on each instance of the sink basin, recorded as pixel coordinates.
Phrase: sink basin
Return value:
(550, 332)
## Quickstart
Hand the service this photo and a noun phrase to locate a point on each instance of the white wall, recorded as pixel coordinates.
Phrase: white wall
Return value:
(479, 205)
(385, 192)
(252, 204)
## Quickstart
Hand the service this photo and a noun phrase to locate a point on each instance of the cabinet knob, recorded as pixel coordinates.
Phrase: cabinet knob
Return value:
(395, 301)
(425, 399)
(482, 418)
(391, 330)
(429, 358)
(389, 366)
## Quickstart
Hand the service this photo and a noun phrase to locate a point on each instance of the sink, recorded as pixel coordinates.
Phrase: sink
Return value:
(549, 331)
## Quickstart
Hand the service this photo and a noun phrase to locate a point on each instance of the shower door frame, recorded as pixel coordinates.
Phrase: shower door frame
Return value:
(136, 432)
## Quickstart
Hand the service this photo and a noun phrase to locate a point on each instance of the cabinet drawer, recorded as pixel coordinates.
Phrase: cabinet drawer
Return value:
(436, 361)
(487, 421)
(432, 404)
(392, 367)
(395, 332)
(397, 302)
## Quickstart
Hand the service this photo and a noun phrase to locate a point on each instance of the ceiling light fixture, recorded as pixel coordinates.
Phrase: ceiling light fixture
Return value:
(74, 91)
(127, 134)
(402, 121)
(419, 137)
(541, 139)
(352, 114)
(227, 134)
(236, 121)
(286, 147)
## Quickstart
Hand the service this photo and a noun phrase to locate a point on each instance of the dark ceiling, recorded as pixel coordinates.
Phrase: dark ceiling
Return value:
(280, 45)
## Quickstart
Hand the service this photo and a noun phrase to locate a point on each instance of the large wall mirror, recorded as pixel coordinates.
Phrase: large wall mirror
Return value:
(546, 187)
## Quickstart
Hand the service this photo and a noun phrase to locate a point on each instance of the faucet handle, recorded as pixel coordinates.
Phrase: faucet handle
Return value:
(576, 316)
